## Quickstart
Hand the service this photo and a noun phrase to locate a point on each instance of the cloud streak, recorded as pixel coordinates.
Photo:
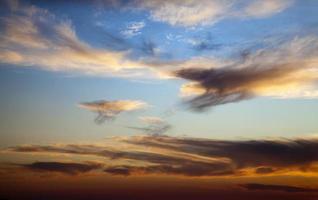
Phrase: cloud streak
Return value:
(62, 167)
(196, 157)
(287, 71)
(279, 188)
(206, 12)
(51, 44)
(156, 126)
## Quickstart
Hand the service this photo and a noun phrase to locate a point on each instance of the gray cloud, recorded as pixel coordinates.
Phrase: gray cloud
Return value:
(289, 70)
(62, 167)
(109, 110)
(252, 153)
(280, 188)
(264, 170)
(186, 169)
(155, 126)
(197, 157)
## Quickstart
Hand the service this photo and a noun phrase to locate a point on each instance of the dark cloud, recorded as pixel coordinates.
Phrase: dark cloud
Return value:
(250, 153)
(198, 157)
(228, 85)
(119, 170)
(67, 168)
(286, 70)
(281, 188)
(186, 169)
(264, 170)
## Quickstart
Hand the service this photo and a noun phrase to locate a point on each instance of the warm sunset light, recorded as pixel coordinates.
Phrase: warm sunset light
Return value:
(159, 99)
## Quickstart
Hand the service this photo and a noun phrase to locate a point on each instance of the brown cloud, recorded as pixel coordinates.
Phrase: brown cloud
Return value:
(196, 157)
(62, 167)
(280, 188)
(108, 110)
(264, 170)
(282, 154)
(187, 169)
(289, 70)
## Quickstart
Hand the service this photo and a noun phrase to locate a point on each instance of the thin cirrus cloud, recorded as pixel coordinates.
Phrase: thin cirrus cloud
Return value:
(109, 110)
(195, 157)
(261, 8)
(155, 126)
(206, 12)
(287, 71)
(133, 29)
(52, 44)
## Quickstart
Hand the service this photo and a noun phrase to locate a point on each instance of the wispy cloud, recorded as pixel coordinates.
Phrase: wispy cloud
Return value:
(51, 44)
(286, 71)
(206, 12)
(133, 29)
(155, 126)
(259, 8)
(195, 157)
(109, 110)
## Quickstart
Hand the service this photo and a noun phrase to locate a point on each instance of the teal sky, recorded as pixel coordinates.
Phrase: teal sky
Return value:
(40, 93)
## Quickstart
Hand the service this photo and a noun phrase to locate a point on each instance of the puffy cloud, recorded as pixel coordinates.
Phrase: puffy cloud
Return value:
(195, 157)
(108, 110)
(286, 71)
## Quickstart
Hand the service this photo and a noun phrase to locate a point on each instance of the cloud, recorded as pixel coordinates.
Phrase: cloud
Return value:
(156, 126)
(287, 71)
(67, 168)
(259, 8)
(280, 188)
(195, 157)
(205, 43)
(186, 169)
(264, 170)
(186, 13)
(51, 44)
(299, 153)
(133, 29)
(192, 13)
(108, 110)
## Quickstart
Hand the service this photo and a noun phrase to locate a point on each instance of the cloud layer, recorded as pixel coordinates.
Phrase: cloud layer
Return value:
(196, 157)
(281, 188)
(62, 167)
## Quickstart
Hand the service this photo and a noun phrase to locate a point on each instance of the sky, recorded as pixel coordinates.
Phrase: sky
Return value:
(198, 96)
